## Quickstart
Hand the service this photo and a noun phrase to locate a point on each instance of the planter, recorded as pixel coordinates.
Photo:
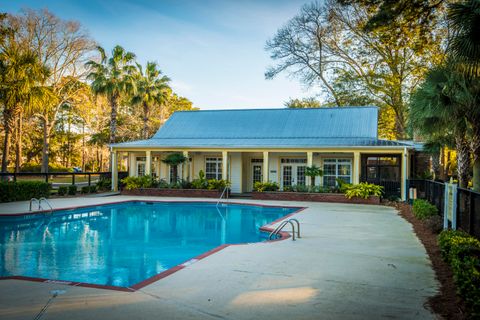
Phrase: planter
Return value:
(186, 193)
(315, 197)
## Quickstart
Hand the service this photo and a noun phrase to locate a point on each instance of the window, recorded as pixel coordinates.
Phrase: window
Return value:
(293, 160)
(141, 166)
(336, 168)
(213, 168)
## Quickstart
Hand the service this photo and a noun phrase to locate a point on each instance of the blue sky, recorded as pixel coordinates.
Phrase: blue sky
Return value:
(212, 50)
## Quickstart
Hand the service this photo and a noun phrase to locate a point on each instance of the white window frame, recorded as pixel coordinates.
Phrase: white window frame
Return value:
(217, 161)
(337, 162)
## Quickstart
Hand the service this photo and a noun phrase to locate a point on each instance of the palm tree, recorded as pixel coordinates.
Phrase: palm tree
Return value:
(313, 172)
(437, 111)
(464, 18)
(113, 77)
(21, 75)
(173, 160)
(152, 89)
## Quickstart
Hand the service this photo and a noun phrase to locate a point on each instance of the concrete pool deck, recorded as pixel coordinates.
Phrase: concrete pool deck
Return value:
(352, 262)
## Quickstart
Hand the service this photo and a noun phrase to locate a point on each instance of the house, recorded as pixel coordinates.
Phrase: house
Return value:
(246, 146)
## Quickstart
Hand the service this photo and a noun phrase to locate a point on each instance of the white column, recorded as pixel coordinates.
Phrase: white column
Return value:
(186, 167)
(404, 174)
(224, 165)
(113, 159)
(131, 164)
(356, 168)
(265, 166)
(309, 164)
(148, 163)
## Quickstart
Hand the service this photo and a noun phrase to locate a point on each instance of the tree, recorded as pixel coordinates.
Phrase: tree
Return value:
(21, 73)
(328, 42)
(113, 78)
(61, 46)
(152, 89)
(303, 103)
(313, 172)
(173, 160)
(438, 112)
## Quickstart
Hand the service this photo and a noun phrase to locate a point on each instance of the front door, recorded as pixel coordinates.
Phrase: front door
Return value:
(257, 173)
(293, 174)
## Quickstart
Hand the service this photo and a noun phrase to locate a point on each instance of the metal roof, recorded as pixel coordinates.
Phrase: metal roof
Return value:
(273, 128)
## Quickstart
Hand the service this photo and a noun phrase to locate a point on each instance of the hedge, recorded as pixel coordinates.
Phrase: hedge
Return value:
(23, 190)
(462, 252)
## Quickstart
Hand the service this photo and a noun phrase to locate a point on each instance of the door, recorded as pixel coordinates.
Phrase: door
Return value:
(141, 168)
(293, 174)
(257, 173)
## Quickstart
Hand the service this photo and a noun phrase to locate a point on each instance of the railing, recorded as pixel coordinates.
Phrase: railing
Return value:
(224, 193)
(62, 178)
(468, 203)
(279, 228)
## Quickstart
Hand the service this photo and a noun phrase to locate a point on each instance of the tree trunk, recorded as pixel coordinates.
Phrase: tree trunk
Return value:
(175, 173)
(436, 166)
(18, 150)
(442, 164)
(46, 145)
(145, 121)
(475, 146)
(463, 160)
(113, 119)
(83, 146)
(6, 147)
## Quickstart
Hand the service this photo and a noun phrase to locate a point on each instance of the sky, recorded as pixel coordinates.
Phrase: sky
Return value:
(213, 50)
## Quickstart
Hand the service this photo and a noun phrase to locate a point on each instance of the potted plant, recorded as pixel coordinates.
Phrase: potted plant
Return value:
(313, 172)
(173, 160)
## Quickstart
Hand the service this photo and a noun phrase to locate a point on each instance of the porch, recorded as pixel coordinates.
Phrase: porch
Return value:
(243, 168)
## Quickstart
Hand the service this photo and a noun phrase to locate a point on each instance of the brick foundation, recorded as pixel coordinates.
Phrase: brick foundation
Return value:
(315, 197)
(187, 193)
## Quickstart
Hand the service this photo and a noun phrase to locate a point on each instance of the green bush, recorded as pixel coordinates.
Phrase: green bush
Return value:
(265, 186)
(23, 190)
(214, 184)
(139, 182)
(62, 190)
(462, 252)
(300, 188)
(422, 209)
(201, 182)
(72, 190)
(362, 190)
(93, 189)
(104, 184)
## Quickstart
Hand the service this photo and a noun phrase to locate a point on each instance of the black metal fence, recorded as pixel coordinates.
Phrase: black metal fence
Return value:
(62, 178)
(391, 188)
(468, 203)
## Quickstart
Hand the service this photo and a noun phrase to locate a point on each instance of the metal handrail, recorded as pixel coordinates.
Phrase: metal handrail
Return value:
(34, 200)
(224, 192)
(280, 227)
(46, 201)
(298, 226)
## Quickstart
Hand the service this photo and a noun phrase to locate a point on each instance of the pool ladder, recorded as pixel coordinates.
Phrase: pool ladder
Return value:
(39, 201)
(278, 229)
(224, 193)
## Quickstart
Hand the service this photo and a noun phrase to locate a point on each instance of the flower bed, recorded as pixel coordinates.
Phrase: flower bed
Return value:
(311, 196)
(187, 193)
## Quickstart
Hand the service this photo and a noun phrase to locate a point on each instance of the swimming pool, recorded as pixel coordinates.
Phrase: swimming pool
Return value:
(124, 244)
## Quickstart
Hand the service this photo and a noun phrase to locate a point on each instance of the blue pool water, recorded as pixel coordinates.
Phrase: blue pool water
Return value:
(126, 243)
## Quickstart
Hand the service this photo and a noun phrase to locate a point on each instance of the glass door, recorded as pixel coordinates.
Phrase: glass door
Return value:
(287, 177)
(300, 178)
(257, 173)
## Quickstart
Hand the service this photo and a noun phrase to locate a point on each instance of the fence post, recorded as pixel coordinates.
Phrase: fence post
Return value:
(73, 178)
(14, 176)
(445, 208)
(89, 179)
(46, 177)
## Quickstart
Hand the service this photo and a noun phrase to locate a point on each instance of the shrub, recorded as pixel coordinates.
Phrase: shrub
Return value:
(265, 186)
(93, 189)
(342, 185)
(23, 190)
(362, 190)
(201, 182)
(52, 168)
(214, 184)
(104, 184)
(85, 189)
(139, 182)
(72, 190)
(422, 209)
(462, 252)
(62, 190)
(300, 188)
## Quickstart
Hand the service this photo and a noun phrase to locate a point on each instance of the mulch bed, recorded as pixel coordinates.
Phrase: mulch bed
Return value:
(446, 303)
